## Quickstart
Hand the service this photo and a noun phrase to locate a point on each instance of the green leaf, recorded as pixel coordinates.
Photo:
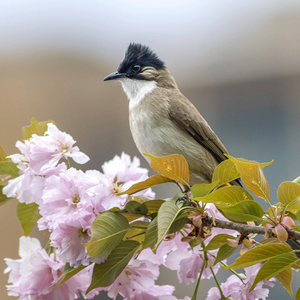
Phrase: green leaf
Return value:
(107, 230)
(288, 194)
(9, 168)
(134, 208)
(226, 196)
(194, 243)
(225, 172)
(298, 295)
(3, 198)
(38, 128)
(139, 224)
(218, 241)
(28, 215)
(285, 278)
(173, 167)
(151, 235)
(296, 265)
(259, 254)
(180, 220)
(104, 274)
(224, 252)
(297, 228)
(69, 272)
(297, 180)
(137, 231)
(298, 216)
(3, 154)
(153, 205)
(136, 234)
(274, 266)
(270, 241)
(203, 189)
(253, 176)
(244, 211)
(166, 216)
(149, 182)
(139, 198)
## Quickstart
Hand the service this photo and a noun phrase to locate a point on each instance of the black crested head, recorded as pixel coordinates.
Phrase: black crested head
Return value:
(137, 57)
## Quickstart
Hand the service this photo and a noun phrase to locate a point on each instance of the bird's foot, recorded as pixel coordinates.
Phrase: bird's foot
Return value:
(186, 201)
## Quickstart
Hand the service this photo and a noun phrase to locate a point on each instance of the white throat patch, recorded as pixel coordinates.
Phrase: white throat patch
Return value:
(136, 89)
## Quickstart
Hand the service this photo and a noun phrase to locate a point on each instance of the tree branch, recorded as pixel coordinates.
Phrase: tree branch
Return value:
(245, 229)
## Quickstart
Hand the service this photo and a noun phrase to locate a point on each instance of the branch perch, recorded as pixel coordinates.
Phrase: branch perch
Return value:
(246, 229)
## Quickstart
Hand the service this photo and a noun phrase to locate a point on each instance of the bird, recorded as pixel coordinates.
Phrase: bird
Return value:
(162, 120)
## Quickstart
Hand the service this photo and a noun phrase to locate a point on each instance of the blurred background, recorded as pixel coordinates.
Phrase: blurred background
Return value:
(237, 61)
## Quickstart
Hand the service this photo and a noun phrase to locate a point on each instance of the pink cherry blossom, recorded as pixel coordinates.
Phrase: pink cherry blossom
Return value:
(188, 265)
(28, 188)
(23, 187)
(121, 169)
(48, 150)
(38, 160)
(105, 195)
(35, 274)
(156, 292)
(234, 288)
(64, 194)
(22, 160)
(69, 235)
(119, 174)
(11, 190)
(174, 244)
(138, 275)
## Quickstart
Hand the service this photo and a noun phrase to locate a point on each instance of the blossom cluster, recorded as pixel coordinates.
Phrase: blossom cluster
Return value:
(33, 275)
(69, 200)
(238, 290)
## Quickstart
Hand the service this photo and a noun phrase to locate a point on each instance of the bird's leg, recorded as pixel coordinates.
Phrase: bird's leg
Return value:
(186, 199)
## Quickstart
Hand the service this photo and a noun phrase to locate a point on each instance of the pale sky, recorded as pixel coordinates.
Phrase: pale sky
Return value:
(184, 30)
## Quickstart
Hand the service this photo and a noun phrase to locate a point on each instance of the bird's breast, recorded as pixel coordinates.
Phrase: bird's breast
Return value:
(148, 130)
(156, 134)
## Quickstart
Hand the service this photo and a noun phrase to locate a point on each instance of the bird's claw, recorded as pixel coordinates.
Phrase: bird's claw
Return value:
(186, 201)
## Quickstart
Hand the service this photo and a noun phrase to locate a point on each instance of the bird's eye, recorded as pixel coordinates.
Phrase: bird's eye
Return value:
(136, 68)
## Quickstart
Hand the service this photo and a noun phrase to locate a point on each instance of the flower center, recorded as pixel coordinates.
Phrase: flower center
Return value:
(76, 199)
(83, 235)
(117, 187)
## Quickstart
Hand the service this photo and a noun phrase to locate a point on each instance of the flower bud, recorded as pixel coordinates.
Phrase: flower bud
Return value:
(248, 243)
(243, 250)
(288, 222)
(170, 236)
(281, 233)
(212, 215)
(197, 221)
(267, 227)
(232, 243)
(187, 238)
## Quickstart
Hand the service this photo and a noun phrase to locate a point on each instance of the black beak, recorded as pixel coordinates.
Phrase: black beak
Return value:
(114, 75)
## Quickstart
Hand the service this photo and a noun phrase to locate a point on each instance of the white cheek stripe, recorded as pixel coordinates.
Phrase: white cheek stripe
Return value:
(136, 89)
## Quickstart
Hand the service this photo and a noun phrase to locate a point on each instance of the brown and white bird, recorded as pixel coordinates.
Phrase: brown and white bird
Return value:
(162, 120)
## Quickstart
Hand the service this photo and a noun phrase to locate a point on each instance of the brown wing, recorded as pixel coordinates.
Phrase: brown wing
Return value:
(187, 117)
